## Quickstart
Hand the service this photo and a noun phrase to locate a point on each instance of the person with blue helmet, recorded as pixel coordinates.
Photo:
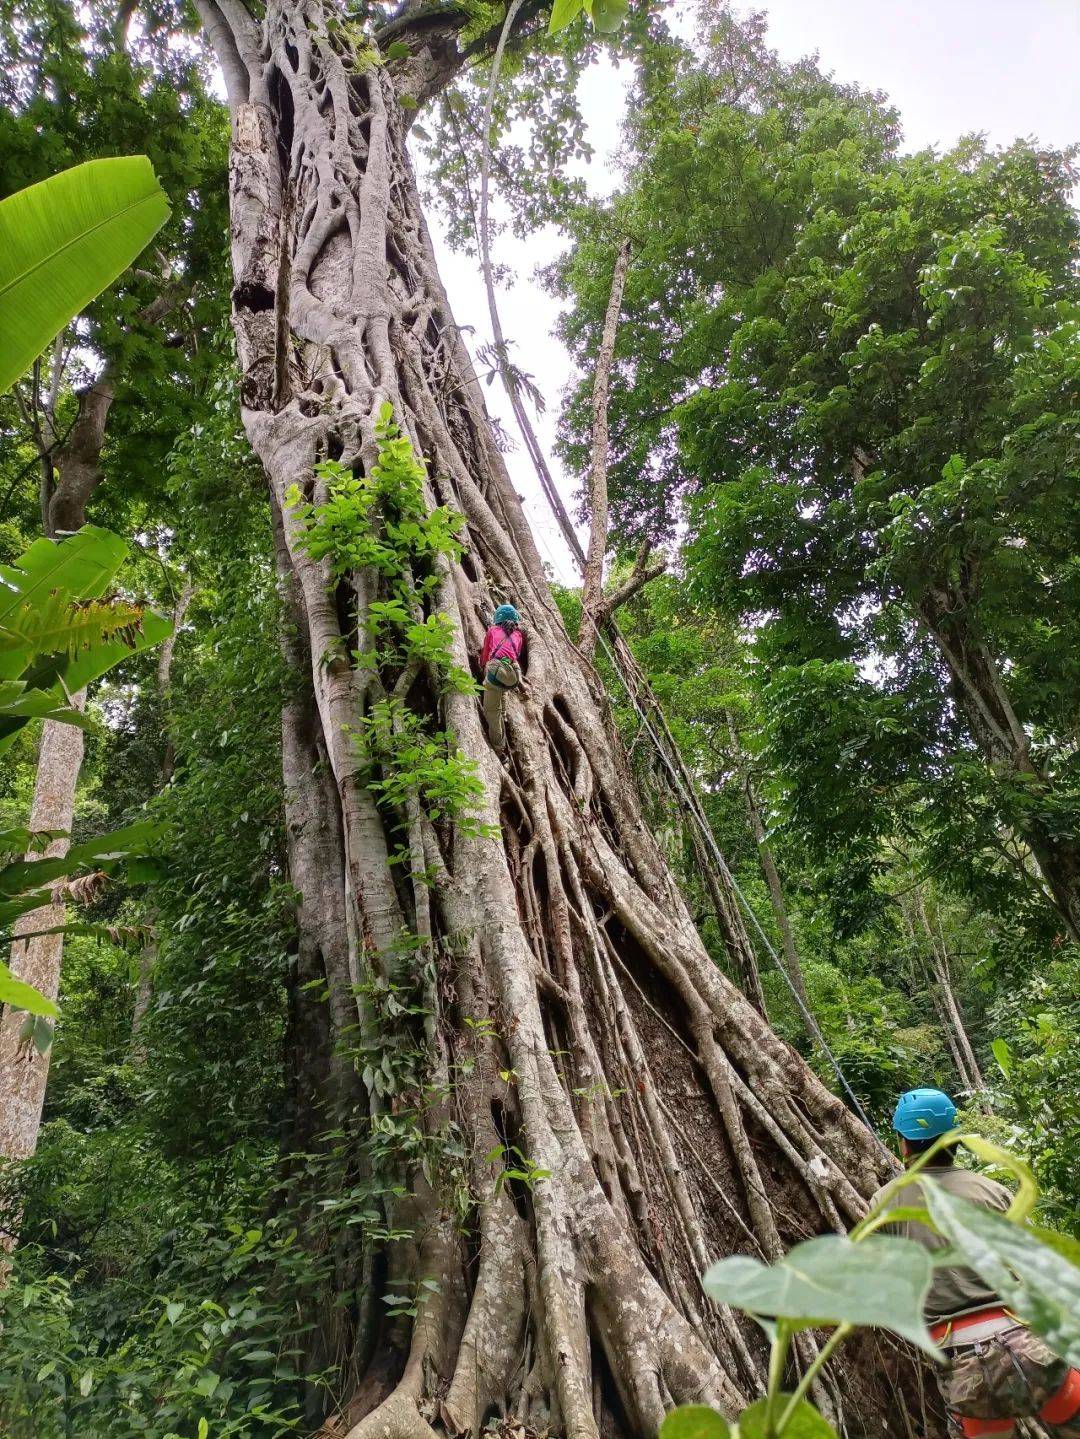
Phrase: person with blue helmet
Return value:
(998, 1371)
(502, 661)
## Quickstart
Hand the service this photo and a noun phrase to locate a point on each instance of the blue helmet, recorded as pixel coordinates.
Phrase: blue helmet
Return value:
(506, 614)
(923, 1114)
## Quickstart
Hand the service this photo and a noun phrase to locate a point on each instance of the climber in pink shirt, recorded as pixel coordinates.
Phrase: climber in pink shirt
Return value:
(501, 660)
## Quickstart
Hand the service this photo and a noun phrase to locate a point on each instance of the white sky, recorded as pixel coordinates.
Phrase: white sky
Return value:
(1004, 67)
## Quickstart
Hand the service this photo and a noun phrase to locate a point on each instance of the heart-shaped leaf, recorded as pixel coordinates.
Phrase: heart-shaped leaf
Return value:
(563, 13)
(694, 1421)
(881, 1282)
(1039, 1284)
(804, 1422)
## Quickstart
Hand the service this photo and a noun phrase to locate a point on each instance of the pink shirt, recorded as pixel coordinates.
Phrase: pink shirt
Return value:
(499, 645)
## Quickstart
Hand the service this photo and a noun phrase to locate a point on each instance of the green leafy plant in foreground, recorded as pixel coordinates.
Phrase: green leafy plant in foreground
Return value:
(65, 240)
(872, 1280)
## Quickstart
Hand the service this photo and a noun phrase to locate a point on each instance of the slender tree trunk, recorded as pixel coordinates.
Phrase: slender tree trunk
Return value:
(592, 591)
(23, 1070)
(939, 958)
(144, 992)
(779, 906)
(569, 1009)
(725, 907)
(928, 964)
(982, 697)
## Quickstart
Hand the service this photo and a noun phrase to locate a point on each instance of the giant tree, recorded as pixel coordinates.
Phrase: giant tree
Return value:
(568, 1106)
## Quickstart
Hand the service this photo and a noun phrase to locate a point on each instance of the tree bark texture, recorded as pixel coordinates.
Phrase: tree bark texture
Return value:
(23, 1071)
(933, 957)
(572, 1018)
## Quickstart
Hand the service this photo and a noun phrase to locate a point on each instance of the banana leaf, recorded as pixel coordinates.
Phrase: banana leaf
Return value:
(65, 240)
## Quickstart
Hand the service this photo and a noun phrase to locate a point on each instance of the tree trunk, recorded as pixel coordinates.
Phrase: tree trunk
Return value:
(592, 590)
(572, 1028)
(776, 897)
(934, 972)
(725, 908)
(981, 696)
(939, 958)
(23, 1070)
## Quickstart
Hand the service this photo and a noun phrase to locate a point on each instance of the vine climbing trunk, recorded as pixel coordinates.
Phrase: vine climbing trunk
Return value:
(598, 1112)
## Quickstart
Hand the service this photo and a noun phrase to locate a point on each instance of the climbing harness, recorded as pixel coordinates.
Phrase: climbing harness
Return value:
(973, 1328)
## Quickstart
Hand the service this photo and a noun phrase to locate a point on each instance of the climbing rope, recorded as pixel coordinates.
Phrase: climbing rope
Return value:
(684, 784)
(692, 804)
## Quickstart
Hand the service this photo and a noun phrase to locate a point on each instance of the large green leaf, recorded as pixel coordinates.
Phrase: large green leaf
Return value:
(34, 874)
(89, 665)
(880, 1282)
(1038, 1283)
(54, 627)
(64, 241)
(694, 1421)
(60, 625)
(563, 12)
(81, 566)
(804, 1421)
(19, 705)
(23, 996)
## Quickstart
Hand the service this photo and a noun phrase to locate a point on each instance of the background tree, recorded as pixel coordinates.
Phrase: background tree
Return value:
(860, 384)
(808, 287)
(76, 86)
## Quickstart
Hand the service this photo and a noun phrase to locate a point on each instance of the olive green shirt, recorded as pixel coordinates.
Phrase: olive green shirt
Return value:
(955, 1289)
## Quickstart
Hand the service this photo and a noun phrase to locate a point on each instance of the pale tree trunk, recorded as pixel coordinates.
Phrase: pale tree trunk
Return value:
(144, 992)
(931, 958)
(939, 959)
(981, 695)
(23, 1070)
(725, 908)
(569, 1007)
(596, 606)
(790, 955)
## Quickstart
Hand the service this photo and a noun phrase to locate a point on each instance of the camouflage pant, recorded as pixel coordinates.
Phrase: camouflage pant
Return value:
(1008, 1376)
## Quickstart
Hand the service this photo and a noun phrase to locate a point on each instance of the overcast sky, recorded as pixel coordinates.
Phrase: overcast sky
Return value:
(1004, 67)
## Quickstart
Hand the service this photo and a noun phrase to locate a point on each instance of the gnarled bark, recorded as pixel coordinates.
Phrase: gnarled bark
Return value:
(571, 1011)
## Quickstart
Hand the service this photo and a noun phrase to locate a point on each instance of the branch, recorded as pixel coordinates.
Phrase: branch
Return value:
(639, 576)
(592, 597)
(226, 47)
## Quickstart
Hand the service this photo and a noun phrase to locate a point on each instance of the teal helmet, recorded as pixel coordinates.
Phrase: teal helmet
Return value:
(923, 1114)
(506, 614)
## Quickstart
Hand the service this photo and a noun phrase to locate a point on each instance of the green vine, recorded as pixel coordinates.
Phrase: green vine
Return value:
(382, 521)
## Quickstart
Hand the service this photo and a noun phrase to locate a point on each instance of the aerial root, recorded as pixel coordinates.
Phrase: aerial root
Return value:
(491, 1344)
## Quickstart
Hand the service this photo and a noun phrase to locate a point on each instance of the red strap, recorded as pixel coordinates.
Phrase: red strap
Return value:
(964, 1321)
(1065, 1404)
(974, 1428)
